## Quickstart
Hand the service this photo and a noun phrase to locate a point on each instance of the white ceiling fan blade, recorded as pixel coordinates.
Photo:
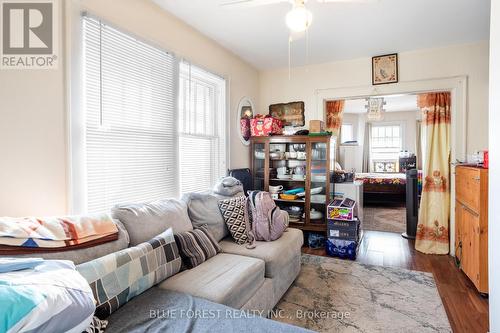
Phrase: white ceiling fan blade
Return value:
(348, 1)
(250, 3)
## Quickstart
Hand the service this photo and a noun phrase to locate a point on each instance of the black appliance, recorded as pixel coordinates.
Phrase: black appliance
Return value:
(244, 176)
(412, 204)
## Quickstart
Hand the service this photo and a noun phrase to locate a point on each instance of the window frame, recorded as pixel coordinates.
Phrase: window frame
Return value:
(220, 131)
(353, 136)
(402, 133)
(75, 120)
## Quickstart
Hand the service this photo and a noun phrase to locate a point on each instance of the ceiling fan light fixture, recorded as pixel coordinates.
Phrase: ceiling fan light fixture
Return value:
(299, 18)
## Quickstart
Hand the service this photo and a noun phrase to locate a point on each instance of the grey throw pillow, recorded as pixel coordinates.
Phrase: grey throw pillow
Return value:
(203, 210)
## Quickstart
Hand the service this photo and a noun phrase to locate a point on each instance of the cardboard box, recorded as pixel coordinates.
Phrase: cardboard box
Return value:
(316, 126)
(348, 230)
(341, 209)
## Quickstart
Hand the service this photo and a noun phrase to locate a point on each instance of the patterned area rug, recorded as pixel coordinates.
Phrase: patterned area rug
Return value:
(332, 295)
(390, 219)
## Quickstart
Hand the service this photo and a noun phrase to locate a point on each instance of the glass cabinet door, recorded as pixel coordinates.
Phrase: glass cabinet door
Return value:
(259, 165)
(319, 183)
(287, 175)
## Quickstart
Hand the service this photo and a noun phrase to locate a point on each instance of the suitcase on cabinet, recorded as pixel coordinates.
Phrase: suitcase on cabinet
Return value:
(265, 126)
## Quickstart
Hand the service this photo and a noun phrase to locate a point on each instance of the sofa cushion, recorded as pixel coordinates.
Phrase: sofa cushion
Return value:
(163, 311)
(118, 277)
(87, 254)
(226, 278)
(146, 220)
(234, 211)
(276, 254)
(196, 247)
(203, 209)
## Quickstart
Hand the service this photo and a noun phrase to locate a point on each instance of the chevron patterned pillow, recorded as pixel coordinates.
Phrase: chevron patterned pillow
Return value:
(233, 211)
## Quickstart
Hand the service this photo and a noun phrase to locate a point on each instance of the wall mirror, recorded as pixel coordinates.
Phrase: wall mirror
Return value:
(245, 113)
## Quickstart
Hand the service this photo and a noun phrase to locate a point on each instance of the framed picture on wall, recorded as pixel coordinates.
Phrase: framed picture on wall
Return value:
(291, 114)
(385, 69)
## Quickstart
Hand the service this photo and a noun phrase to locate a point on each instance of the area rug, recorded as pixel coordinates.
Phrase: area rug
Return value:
(390, 219)
(332, 295)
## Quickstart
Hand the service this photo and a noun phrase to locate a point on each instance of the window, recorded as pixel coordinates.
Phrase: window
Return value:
(201, 128)
(135, 137)
(385, 146)
(129, 118)
(346, 133)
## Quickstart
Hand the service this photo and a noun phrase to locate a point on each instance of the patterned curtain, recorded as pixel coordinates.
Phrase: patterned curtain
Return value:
(434, 213)
(334, 112)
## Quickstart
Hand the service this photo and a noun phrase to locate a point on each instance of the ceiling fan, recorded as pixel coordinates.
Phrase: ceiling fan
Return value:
(299, 18)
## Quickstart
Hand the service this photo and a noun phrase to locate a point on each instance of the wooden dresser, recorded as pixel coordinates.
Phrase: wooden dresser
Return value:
(471, 224)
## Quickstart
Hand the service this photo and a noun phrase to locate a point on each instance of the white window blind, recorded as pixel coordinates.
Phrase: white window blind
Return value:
(386, 143)
(202, 136)
(130, 134)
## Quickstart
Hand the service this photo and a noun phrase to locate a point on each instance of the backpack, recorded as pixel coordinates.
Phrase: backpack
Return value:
(268, 220)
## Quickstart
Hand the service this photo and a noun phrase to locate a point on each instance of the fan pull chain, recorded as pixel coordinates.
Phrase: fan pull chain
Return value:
(289, 57)
(307, 49)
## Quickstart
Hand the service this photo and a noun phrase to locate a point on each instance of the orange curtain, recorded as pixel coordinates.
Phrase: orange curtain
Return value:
(334, 111)
(434, 214)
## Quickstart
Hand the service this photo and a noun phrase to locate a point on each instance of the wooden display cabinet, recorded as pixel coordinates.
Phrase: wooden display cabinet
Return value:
(310, 153)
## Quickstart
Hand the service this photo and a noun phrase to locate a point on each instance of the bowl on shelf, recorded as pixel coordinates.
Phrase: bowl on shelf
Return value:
(288, 196)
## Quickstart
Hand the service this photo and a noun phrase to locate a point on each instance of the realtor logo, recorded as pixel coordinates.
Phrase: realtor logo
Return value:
(28, 34)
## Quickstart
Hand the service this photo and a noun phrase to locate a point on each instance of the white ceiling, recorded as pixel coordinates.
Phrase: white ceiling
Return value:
(394, 103)
(339, 31)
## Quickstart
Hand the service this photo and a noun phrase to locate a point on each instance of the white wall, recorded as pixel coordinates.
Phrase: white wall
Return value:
(32, 141)
(452, 61)
(494, 172)
(33, 130)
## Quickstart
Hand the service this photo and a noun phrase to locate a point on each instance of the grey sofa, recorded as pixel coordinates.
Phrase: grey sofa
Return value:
(241, 278)
(253, 280)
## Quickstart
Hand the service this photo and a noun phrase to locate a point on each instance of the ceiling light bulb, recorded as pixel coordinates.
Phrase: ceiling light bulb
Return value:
(298, 19)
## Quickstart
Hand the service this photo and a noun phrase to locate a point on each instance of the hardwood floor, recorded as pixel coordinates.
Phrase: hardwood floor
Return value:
(467, 310)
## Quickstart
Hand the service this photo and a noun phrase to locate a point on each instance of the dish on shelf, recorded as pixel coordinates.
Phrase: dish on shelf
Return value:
(277, 155)
(280, 176)
(295, 190)
(298, 177)
(314, 215)
(260, 154)
(299, 147)
(295, 219)
(316, 190)
(288, 196)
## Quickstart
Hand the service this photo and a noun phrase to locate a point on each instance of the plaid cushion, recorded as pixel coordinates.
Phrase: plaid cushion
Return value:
(120, 276)
(197, 246)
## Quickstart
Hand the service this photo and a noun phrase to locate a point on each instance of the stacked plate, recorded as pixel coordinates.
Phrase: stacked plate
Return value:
(295, 213)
